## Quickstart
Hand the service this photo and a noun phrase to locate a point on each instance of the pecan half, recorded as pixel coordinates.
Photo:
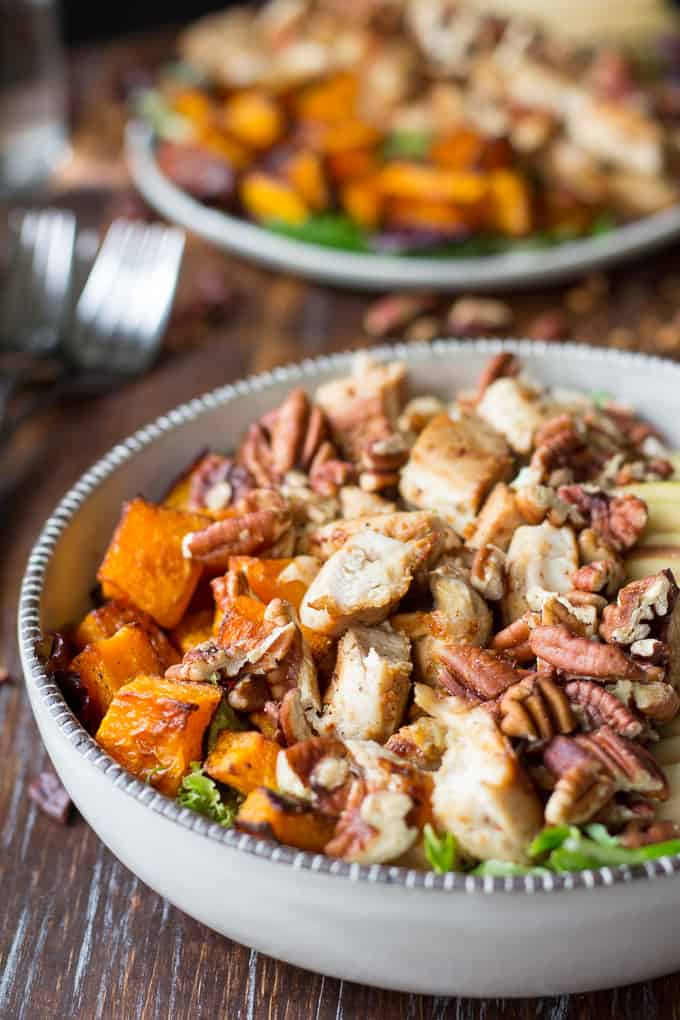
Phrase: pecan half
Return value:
(631, 766)
(328, 474)
(217, 482)
(601, 706)
(646, 832)
(473, 316)
(637, 607)
(579, 794)
(618, 520)
(265, 518)
(475, 671)
(284, 439)
(555, 444)
(535, 709)
(655, 700)
(599, 575)
(487, 573)
(580, 656)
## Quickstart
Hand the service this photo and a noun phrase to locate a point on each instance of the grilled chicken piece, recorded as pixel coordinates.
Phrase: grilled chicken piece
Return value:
(535, 86)
(453, 465)
(497, 521)
(369, 689)
(361, 582)
(402, 526)
(514, 410)
(540, 557)
(355, 502)
(481, 793)
(617, 134)
(467, 618)
(641, 194)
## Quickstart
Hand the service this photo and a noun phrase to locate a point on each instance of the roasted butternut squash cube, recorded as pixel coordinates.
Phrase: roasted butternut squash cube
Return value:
(305, 172)
(363, 202)
(107, 619)
(154, 728)
(509, 203)
(243, 760)
(402, 179)
(253, 118)
(329, 101)
(266, 198)
(193, 629)
(111, 662)
(145, 562)
(268, 814)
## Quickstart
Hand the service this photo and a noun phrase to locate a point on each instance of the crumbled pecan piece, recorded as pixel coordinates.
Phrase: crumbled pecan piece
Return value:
(316, 769)
(393, 312)
(50, 796)
(654, 699)
(328, 474)
(516, 634)
(549, 326)
(487, 573)
(292, 719)
(264, 519)
(555, 443)
(251, 694)
(618, 520)
(599, 575)
(472, 316)
(535, 709)
(217, 482)
(638, 606)
(499, 367)
(646, 832)
(601, 706)
(476, 671)
(580, 656)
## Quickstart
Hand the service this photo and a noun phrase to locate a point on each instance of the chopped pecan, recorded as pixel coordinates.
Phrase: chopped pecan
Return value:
(476, 671)
(593, 548)
(599, 575)
(472, 316)
(487, 573)
(50, 796)
(316, 769)
(579, 794)
(251, 694)
(292, 719)
(328, 474)
(374, 827)
(601, 706)
(580, 656)
(422, 743)
(353, 835)
(217, 482)
(499, 367)
(555, 443)
(549, 326)
(535, 709)
(516, 634)
(263, 521)
(638, 606)
(648, 831)
(654, 699)
(393, 312)
(618, 520)
(557, 610)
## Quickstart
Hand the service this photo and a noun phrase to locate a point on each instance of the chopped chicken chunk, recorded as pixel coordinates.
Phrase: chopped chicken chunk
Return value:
(361, 582)
(481, 793)
(422, 742)
(403, 526)
(497, 521)
(514, 410)
(540, 557)
(467, 618)
(356, 502)
(369, 689)
(618, 134)
(453, 465)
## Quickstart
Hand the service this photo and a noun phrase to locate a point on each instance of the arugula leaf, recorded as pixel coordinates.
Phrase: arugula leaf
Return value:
(406, 145)
(549, 839)
(199, 793)
(330, 230)
(569, 849)
(441, 851)
(225, 718)
(600, 398)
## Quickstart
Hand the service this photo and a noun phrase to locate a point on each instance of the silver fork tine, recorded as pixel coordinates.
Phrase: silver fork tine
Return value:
(127, 298)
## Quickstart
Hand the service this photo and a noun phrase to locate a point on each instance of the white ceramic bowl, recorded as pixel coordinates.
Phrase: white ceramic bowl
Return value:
(451, 934)
(375, 272)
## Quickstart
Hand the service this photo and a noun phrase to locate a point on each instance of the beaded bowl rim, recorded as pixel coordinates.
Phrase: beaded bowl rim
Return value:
(60, 715)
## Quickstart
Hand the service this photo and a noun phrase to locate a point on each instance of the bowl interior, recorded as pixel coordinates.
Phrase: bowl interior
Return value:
(148, 462)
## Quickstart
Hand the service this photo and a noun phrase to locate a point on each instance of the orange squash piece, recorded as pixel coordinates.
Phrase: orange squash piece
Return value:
(305, 172)
(351, 164)
(254, 119)
(109, 618)
(145, 563)
(193, 629)
(267, 198)
(243, 760)
(154, 728)
(268, 814)
(329, 101)
(196, 106)
(509, 203)
(402, 179)
(363, 202)
(111, 662)
(425, 214)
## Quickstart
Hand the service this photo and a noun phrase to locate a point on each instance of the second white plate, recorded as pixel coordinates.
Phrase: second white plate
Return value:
(378, 272)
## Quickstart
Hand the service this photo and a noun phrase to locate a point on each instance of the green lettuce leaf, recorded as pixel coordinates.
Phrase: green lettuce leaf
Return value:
(199, 793)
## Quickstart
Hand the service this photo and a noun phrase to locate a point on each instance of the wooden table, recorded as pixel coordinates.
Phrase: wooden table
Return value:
(80, 937)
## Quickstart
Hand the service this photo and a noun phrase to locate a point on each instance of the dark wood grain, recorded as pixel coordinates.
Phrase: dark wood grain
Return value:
(81, 937)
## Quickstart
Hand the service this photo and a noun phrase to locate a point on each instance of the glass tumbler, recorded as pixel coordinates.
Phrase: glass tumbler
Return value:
(33, 133)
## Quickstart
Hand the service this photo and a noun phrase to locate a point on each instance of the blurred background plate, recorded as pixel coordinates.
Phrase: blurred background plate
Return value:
(368, 272)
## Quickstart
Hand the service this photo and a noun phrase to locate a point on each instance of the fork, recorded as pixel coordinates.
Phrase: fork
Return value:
(118, 322)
